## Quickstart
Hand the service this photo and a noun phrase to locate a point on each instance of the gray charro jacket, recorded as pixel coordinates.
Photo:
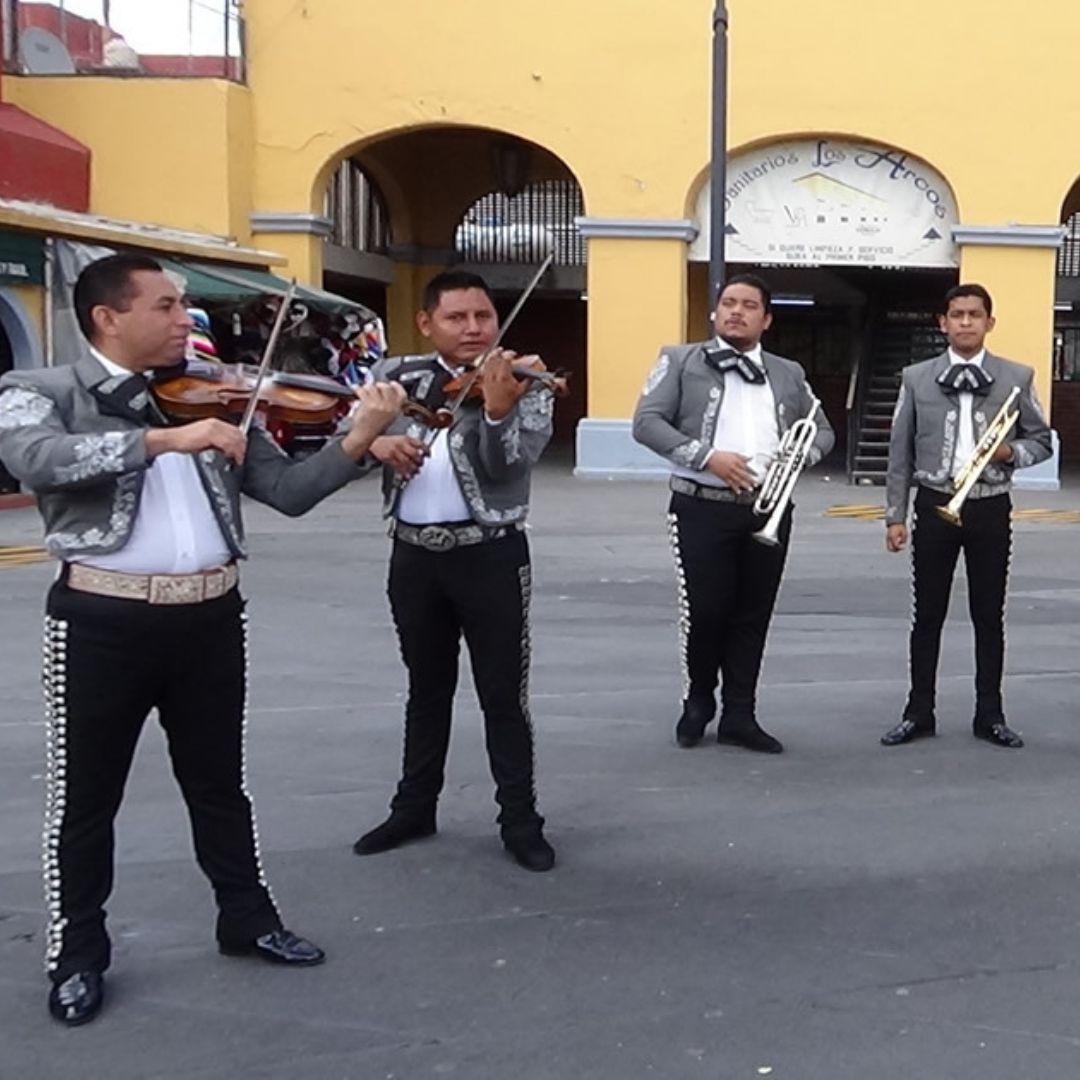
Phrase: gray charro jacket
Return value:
(923, 440)
(87, 466)
(492, 462)
(677, 412)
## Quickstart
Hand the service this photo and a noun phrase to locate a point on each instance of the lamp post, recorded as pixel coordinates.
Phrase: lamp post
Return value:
(718, 170)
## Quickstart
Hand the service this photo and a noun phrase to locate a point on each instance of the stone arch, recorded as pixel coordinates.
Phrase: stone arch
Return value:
(1069, 255)
(429, 174)
(21, 332)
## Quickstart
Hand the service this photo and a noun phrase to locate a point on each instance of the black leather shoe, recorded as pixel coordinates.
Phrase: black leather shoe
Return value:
(78, 999)
(530, 850)
(1000, 734)
(696, 717)
(279, 947)
(906, 731)
(396, 830)
(749, 738)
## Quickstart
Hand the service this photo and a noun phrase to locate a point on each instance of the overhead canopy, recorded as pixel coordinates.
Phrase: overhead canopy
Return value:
(232, 284)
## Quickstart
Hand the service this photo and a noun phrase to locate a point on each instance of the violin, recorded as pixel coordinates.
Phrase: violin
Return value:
(224, 392)
(469, 386)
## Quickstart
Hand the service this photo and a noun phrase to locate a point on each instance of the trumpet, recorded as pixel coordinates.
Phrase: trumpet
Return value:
(780, 480)
(985, 448)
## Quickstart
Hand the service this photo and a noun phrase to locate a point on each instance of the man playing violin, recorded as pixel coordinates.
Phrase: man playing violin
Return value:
(460, 564)
(145, 519)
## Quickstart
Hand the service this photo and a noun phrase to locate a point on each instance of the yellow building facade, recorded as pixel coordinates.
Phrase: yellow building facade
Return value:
(613, 95)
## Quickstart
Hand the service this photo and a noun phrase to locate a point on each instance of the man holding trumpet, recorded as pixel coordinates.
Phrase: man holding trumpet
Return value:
(722, 412)
(963, 422)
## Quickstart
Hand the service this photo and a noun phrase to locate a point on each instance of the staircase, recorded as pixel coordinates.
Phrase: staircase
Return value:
(898, 338)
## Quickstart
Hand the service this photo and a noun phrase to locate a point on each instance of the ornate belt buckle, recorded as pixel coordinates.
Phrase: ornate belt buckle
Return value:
(181, 589)
(437, 538)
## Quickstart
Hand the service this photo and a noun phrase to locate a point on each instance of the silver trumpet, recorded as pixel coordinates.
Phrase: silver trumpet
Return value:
(995, 434)
(779, 483)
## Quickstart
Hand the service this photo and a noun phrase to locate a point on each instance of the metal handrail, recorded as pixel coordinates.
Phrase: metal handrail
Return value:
(853, 382)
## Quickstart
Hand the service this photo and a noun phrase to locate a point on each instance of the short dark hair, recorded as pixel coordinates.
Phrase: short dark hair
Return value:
(754, 282)
(108, 282)
(970, 289)
(451, 281)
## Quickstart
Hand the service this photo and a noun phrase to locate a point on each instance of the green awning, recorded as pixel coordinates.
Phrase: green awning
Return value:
(231, 284)
(22, 259)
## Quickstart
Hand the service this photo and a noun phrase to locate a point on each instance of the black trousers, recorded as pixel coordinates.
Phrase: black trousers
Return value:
(985, 537)
(481, 592)
(727, 590)
(107, 664)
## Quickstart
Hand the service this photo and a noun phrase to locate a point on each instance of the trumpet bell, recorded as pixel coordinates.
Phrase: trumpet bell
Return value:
(767, 537)
(949, 514)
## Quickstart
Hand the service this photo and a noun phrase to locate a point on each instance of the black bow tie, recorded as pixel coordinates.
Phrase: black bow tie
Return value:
(725, 360)
(129, 396)
(966, 377)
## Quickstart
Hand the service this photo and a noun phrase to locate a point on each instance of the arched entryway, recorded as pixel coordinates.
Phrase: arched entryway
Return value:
(413, 202)
(1066, 361)
(20, 347)
(855, 238)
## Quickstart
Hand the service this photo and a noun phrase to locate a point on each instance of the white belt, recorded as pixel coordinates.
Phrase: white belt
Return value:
(155, 588)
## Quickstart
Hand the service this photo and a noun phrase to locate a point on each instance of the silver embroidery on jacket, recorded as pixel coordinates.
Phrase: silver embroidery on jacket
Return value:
(470, 488)
(687, 454)
(656, 376)
(23, 408)
(222, 501)
(510, 437)
(97, 538)
(95, 455)
(1022, 456)
(709, 417)
(899, 402)
(536, 410)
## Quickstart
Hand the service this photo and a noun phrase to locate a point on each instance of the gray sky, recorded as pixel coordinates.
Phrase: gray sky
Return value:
(176, 27)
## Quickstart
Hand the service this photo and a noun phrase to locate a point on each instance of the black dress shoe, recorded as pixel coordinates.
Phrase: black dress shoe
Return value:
(906, 731)
(1000, 734)
(396, 830)
(530, 850)
(749, 738)
(278, 947)
(77, 1000)
(696, 717)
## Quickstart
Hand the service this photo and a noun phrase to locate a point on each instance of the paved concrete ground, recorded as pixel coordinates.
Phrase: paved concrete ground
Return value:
(840, 912)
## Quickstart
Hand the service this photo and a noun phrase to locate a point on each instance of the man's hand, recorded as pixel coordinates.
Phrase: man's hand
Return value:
(1003, 453)
(732, 468)
(895, 537)
(402, 453)
(379, 406)
(501, 389)
(197, 436)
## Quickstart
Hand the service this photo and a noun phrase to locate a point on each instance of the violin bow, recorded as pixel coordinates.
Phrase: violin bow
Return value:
(268, 353)
(454, 405)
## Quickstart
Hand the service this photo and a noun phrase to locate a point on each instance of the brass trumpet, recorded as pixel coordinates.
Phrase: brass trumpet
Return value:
(985, 448)
(780, 480)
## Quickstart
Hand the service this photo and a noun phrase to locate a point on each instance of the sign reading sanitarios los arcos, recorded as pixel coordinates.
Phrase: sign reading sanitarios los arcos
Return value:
(830, 202)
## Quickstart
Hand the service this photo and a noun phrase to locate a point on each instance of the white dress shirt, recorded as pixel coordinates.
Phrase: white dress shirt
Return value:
(965, 427)
(433, 496)
(746, 424)
(175, 530)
